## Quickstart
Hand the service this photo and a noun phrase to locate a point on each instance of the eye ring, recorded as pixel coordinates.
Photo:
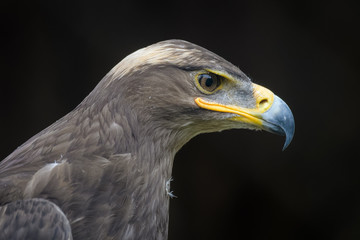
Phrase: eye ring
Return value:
(207, 82)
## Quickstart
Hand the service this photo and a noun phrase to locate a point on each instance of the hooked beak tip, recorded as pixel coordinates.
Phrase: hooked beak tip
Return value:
(279, 119)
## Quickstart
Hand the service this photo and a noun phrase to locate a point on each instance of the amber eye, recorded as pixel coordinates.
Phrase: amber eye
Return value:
(208, 82)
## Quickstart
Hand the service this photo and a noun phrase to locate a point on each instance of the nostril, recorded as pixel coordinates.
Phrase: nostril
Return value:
(264, 103)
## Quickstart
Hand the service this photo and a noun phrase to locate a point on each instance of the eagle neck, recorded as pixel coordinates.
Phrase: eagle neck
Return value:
(152, 155)
(151, 170)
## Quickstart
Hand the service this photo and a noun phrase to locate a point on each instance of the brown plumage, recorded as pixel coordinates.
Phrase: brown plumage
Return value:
(105, 165)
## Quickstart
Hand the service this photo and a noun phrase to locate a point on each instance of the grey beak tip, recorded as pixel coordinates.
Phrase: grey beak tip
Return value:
(287, 141)
(279, 119)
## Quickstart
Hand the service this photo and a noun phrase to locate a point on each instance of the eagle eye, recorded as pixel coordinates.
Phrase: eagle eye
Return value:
(208, 83)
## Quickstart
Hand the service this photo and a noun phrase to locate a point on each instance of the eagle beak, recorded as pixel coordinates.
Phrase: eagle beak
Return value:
(279, 119)
(271, 113)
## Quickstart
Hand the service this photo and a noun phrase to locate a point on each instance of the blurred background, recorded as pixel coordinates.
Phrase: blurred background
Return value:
(235, 184)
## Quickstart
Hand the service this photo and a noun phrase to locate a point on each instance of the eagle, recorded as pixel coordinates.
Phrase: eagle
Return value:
(103, 170)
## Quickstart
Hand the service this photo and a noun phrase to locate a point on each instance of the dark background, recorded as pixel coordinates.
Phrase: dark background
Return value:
(235, 184)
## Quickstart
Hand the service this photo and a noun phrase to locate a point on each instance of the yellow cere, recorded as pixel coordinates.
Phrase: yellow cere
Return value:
(264, 98)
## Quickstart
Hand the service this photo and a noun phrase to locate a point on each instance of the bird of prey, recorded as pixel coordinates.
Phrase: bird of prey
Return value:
(102, 171)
